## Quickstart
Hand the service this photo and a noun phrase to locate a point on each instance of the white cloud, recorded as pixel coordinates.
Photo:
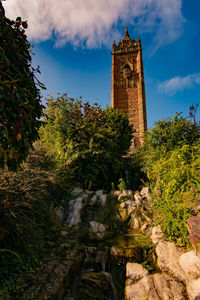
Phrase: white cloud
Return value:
(92, 23)
(177, 84)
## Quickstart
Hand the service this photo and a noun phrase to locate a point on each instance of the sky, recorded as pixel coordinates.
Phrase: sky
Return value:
(73, 40)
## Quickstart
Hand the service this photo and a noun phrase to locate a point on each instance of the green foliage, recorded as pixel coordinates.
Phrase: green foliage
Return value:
(121, 185)
(167, 135)
(20, 107)
(87, 142)
(171, 159)
(27, 227)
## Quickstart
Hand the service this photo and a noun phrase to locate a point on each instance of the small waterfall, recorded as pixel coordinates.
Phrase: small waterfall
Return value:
(74, 217)
(110, 280)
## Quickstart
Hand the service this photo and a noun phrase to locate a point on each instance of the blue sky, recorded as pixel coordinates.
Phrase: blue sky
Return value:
(73, 39)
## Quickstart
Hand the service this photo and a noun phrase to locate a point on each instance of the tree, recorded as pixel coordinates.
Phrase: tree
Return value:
(20, 99)
(171, 160)
(167, 135)
(86, 141)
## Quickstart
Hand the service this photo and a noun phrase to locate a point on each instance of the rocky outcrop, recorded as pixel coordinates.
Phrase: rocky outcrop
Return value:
(158, 286)
(56, 274)
(168, 260)
(193, 224)
(184, 267)
(157, 234)
(98, 229)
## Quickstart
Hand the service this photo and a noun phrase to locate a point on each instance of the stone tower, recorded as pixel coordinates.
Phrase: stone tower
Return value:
(127, 90)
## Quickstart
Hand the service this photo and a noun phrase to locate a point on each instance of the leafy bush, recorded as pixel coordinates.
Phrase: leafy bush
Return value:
(171, 159)
(27, 230)
(87, 142)
(20, 105)
(168, 134)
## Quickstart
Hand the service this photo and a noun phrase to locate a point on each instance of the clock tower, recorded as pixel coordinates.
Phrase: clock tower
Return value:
(127, 89)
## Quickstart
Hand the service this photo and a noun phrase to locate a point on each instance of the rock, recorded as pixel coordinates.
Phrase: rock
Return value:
(99, 193)
(193, 289)
(103, 199)
(89, 192)
(136, 224)
(135, 271)
(63, 233)
(97, 227)
(126, 254)
(116, 193)
(74, 217)
(193, 224)
(129, 206)
(123, 195)
(157, 234)
(77, 191)
(130, 193)
(145, 193)
(155, 287)
(138, 199)
(168, 260)
(126, 209)
(190, 263)
(95, 285)
(60, 213)
(144, 227)
(93, 200)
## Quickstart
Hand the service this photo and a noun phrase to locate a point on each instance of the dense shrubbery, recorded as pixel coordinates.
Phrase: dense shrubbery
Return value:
(171, 160)
(87, 142)
(20, 106)
(27, 229)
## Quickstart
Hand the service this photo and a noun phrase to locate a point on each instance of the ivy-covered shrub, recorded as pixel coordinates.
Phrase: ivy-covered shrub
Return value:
(87, 142)
(171, 160)
(20, 106)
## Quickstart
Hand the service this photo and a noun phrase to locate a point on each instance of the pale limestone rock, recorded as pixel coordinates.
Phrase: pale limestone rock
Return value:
(124, 194)
(74, 217)
(126, 209)
(93, 200)
(193, 289)
(168, 260)
(116, 193)
(135, 272)
(103, 199)
(157, 234)
(143, 289)
(168, 288)
(138, 199)
(77, 191)
(96, 227)
(130, 193)
(144, 227)
(155, 287)
(190, 263)
(89, 192)
(136, 224)
(145, 193)
(99, 193)
(129, 206)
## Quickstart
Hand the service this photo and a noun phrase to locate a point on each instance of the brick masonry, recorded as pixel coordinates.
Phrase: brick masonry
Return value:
(127, 90)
